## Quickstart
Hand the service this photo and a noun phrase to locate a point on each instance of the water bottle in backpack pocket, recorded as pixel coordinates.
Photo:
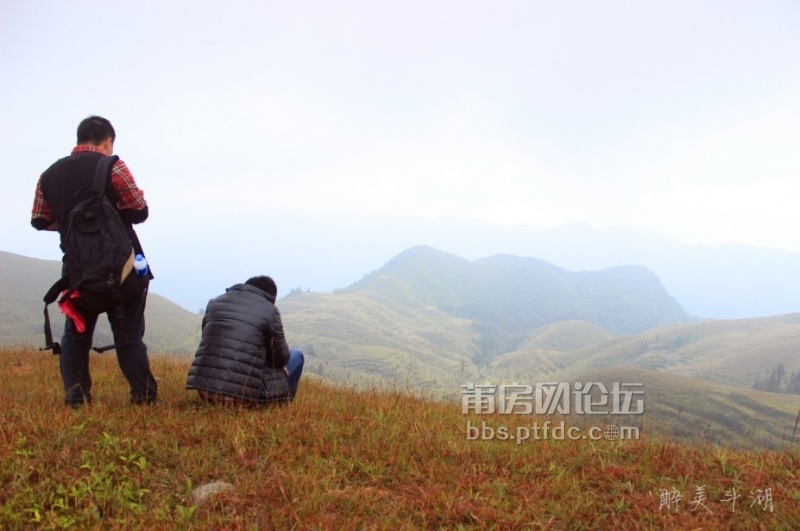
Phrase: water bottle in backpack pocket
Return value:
(140, 265)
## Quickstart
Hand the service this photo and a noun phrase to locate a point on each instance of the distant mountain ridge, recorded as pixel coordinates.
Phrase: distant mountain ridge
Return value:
(508, 296)
(432, 319)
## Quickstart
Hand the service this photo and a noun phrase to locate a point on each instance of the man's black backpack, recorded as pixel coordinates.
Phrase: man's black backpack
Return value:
(98, 253)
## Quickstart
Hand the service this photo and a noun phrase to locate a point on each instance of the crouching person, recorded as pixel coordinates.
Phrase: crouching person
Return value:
(243, 357)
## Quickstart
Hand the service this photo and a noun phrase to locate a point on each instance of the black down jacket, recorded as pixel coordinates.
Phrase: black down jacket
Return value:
(243, 349)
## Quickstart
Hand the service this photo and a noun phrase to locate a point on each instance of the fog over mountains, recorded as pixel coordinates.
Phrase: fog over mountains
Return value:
(310, 252)
(726, 281)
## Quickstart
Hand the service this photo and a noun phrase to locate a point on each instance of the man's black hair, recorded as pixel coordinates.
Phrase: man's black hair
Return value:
(265, 284)
(95, 130)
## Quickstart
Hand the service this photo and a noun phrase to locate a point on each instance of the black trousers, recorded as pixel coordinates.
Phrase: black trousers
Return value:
(130, 347)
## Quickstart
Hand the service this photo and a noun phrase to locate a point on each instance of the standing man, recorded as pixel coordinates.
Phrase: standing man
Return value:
(243, 357)
(54, 200)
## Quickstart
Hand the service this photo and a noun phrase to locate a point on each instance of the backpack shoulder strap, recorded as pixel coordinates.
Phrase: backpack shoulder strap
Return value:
(103, 173)
(52, 294)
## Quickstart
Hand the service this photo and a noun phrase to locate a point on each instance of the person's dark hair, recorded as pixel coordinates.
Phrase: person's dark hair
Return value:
(265, 284)
(95, 130)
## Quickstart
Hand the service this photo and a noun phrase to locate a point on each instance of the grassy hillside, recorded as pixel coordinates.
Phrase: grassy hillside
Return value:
(682, 408)
(543, 353)
(732, 352)
(24, 281)
(370, 333)
(567, 336)
(348, 459)
(351, 337)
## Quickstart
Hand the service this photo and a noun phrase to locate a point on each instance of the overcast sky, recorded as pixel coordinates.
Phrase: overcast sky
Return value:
(676, 117)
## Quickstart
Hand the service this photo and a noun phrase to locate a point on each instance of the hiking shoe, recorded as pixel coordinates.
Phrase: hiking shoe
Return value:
(145, 400)
(76, 403)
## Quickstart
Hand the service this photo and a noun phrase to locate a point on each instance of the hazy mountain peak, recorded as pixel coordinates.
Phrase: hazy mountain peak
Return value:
(507, 295)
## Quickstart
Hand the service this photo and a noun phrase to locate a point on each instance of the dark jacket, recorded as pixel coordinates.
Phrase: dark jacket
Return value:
(243, 351)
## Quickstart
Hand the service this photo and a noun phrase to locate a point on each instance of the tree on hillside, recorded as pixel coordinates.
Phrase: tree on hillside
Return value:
(296, 291)
(773, 381)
